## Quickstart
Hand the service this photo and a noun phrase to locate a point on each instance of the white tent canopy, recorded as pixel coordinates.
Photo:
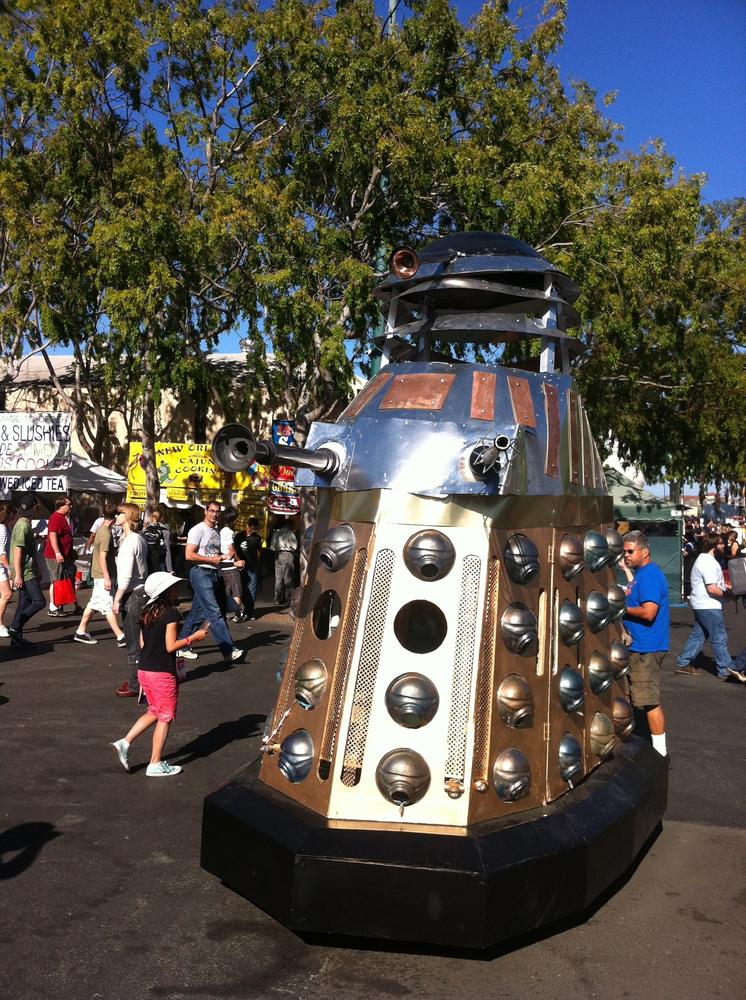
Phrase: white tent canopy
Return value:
(85, 476)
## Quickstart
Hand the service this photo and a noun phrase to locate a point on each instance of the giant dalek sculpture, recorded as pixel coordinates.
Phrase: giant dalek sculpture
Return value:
(450, 758)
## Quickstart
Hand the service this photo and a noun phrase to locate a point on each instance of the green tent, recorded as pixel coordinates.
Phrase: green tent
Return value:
(658, 518)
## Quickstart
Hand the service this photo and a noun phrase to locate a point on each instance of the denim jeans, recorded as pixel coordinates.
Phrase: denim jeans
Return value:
(30, 600)
(708, 624)
(131, 608)
(205, 607)
(250, 581)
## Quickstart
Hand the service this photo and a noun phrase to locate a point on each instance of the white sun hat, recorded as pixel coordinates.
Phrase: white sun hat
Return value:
(158, 583)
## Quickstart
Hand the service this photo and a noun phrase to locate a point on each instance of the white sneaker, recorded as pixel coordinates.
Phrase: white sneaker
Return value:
(237, 656)
(188, 653)
(122, 750)
(4, 633)
(162, 770)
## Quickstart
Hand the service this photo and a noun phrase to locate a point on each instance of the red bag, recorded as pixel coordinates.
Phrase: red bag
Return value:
(63, 591)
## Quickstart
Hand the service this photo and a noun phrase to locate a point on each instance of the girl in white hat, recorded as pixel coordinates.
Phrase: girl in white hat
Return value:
(157, 671)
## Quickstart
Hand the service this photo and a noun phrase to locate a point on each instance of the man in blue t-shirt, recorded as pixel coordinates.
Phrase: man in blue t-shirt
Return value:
(647, 621)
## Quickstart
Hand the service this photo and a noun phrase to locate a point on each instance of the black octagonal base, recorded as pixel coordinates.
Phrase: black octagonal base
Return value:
(502, 878)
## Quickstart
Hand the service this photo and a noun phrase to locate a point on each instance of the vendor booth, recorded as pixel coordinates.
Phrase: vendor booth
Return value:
(659, 519)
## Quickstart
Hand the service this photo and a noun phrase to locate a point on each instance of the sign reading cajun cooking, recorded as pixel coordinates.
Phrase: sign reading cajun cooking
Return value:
(184, 469)
(35, 442)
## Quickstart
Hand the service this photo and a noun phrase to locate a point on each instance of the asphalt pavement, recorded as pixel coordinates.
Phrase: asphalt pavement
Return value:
(102, 895)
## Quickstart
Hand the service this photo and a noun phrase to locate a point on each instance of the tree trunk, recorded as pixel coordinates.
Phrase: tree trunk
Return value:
(152, 486)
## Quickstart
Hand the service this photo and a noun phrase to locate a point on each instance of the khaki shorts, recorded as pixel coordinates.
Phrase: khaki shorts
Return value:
(645, 679)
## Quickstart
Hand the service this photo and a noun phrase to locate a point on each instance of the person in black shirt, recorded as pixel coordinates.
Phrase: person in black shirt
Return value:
(248, 544)
(157, 671)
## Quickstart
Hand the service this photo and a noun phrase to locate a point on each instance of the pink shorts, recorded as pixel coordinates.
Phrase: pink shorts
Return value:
(161, 691)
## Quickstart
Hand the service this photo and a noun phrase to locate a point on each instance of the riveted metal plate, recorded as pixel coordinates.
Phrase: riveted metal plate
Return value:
(483, 396)
(364, 397)
(551, 406)
(417, 392)
(523, 404)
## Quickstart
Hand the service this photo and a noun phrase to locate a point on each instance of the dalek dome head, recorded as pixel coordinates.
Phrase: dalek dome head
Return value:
(602, 735)
(296, 756)
(519, 629)
(412, 700)
(570, 623)
(571, 690)
(521, 559)
(310, 682)
(624, 720)
(515, 701)
(596, 551)
(511, 775)
(570, 758)
(596, 611)
(337, 547)
(403, 777)
(429, 555)
(571, 558)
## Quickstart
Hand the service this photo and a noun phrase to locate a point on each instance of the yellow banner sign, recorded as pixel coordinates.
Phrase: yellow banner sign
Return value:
(185, 469)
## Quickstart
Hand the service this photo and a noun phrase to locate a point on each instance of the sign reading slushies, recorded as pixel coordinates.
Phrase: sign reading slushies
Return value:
(35, 443)
(184, 469)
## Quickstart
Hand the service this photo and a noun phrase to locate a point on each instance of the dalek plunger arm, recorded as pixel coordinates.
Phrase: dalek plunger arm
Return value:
(235, 448)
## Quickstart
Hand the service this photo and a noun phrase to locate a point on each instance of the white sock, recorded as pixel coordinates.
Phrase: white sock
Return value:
(659, 743)
(52, 607)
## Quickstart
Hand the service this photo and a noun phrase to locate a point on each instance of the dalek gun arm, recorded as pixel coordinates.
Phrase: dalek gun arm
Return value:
(235, 448)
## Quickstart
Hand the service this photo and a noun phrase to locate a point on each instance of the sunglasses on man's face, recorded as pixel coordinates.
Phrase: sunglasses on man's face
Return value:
(629, 552)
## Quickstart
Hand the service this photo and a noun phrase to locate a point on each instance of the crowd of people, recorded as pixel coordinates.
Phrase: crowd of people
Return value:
(133, 582)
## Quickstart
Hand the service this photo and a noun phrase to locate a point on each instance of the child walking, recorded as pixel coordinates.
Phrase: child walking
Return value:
(157, 671)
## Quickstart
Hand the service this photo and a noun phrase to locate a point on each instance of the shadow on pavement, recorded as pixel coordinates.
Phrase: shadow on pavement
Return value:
(249, 644)
(222, 735)
(24, 841)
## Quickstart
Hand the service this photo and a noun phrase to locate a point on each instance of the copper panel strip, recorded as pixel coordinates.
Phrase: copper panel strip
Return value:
(551, 406)
(573, 428)
(287, 691)
(364, 397)
(483, 395)
(485, 677)
(344, 658)
(417, 392)
(523, 404)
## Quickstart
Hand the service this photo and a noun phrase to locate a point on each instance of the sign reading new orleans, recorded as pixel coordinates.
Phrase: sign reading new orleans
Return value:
(35, 442)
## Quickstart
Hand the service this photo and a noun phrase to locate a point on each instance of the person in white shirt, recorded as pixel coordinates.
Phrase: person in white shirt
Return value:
(130, 598)
(203, 554)
(706, 600)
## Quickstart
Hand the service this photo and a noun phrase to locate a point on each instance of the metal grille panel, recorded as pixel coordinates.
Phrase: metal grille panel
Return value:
(485, 676)
(287, 691)
(344, 657)
(463, 665)
(370, 654)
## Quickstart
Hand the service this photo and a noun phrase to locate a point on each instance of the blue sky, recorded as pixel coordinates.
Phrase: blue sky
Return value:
(679, 67)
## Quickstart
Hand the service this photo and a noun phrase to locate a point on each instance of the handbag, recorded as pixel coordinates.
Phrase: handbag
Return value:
(180, 669)
(63, 589)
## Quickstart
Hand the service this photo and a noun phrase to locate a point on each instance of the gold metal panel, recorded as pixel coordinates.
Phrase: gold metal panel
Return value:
(364, 397)
(422, 391)
(314, 791)
(551, 407)
(483, 396)
(523, 404)
(530, 740)
(573, 429)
